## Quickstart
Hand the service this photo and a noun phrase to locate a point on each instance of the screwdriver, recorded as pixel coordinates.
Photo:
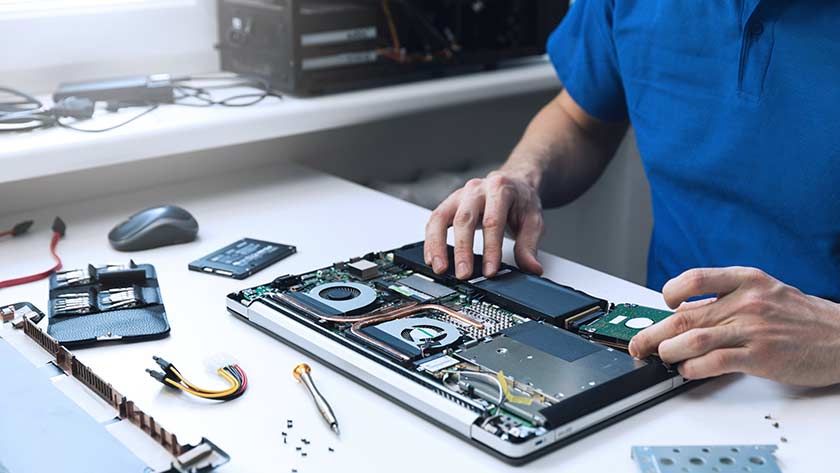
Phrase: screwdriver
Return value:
(301, 373)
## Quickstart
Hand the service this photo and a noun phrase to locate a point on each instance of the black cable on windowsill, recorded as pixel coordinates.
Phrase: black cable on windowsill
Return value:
(23, 112)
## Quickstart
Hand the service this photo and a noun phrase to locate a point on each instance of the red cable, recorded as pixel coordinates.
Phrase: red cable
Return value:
(45, 274)
(244, 378)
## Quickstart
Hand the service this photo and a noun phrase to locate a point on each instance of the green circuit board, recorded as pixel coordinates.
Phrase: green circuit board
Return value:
(619, 325)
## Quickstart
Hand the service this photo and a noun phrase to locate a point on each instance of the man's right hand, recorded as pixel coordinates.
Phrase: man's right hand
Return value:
(505, 198)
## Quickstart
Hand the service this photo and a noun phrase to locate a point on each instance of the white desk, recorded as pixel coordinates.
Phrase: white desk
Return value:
(330, 220)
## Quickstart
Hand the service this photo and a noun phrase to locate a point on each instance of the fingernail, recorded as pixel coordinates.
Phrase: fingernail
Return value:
(462, 270)
(437, 264)
(632, 349)
(488, 268)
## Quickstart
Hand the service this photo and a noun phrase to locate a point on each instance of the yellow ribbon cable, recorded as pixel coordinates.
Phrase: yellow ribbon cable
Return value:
(508, 395)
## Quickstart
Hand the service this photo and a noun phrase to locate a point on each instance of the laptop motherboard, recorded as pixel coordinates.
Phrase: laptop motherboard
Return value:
(526, 354)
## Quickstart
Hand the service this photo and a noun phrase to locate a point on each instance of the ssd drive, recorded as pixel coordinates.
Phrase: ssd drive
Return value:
(242, 258)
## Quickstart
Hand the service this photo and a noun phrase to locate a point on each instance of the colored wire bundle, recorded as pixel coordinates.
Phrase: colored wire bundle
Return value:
(444, 48)
(172, 378)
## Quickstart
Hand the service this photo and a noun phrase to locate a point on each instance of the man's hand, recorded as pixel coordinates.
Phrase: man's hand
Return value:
(756, 325)
(504, 198)
(563, 147)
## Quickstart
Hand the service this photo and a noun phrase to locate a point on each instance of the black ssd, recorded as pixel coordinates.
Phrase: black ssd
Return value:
(242, 258)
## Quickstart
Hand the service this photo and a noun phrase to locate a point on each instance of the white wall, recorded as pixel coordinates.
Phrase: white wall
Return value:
(40, 47)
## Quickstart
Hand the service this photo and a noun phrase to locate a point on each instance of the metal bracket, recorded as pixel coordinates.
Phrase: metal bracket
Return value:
(706, 459)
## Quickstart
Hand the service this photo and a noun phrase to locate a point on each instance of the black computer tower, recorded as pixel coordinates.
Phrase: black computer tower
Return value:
(311, 47)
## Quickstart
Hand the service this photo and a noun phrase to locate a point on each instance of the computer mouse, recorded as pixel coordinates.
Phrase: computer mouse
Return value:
(153, 228)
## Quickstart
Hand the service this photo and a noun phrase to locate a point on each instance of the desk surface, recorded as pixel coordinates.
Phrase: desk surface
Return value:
(176, 129)
(330, 220)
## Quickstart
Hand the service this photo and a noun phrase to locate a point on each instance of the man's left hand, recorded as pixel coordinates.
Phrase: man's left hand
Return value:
(756, 325)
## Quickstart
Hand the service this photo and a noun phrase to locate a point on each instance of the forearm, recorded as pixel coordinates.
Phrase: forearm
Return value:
(564, 150)
(562, 153)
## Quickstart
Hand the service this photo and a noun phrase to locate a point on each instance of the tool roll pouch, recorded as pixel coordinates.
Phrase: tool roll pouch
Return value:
(106, 304)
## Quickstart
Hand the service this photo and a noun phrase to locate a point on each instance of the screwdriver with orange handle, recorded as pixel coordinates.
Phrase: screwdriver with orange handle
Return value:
(301, 373)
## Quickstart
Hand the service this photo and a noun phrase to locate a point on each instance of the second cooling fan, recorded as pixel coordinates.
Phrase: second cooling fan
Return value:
(415, 336)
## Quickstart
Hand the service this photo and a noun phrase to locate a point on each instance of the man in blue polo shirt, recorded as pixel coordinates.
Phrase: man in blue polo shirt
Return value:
(736, 109)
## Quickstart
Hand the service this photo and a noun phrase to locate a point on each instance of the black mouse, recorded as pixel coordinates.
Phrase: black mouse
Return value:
(154, 227)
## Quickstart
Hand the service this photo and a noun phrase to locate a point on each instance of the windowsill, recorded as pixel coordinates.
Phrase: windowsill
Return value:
(55, 8)
(174, 129)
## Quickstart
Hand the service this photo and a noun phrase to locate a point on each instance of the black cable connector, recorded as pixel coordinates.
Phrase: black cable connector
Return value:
(21, 228)
(161, 377)
(80, 108)
(162, 363)
(166, 367)
(59, 226)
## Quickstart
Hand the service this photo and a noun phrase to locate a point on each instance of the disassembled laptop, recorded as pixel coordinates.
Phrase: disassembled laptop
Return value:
(515, 363)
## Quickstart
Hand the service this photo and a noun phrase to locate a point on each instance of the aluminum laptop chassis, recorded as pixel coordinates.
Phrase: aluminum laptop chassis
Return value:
(438, 404)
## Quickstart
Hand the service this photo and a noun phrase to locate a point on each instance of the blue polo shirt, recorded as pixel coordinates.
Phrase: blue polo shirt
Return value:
(736, 109)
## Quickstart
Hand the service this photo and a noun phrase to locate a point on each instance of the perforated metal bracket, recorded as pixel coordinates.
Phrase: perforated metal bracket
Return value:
(201, 458)
(706, 459)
